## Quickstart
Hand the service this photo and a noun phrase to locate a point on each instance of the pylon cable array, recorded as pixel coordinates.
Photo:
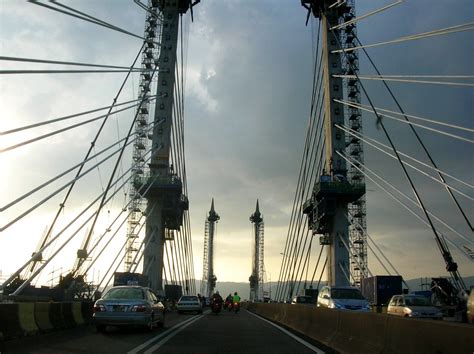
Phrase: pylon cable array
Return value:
(290, 270)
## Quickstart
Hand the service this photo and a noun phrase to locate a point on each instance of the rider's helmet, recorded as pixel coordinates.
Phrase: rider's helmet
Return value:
(235, 293)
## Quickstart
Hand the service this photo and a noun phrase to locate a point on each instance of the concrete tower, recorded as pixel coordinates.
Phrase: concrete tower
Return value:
(256, 279)
(208, 277)
(328, 207)
(166, 202)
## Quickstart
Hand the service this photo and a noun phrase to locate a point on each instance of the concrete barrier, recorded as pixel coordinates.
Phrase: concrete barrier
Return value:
(26, 316)
(9, 321)
(87, 311)
(421, 336)
(42, 316)
(68, 316)
(56, 315)
(77, 313)
(356, 332)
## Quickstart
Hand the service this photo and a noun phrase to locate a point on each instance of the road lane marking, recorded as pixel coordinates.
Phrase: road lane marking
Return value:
(298, 339)
(164, 334)
(164, 340)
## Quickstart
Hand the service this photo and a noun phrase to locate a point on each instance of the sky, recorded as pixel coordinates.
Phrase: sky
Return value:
(248, 91)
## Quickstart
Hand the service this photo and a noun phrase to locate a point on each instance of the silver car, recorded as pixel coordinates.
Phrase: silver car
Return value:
(128, 306)
(413, 306)
(189, 303)
(342, 298)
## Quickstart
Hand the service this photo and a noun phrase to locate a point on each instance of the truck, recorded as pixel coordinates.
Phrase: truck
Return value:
(128, 278)
(173, 292)
(380, 288)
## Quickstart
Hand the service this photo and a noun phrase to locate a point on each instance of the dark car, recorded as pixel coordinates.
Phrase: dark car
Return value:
(128, 306)
(303, 299)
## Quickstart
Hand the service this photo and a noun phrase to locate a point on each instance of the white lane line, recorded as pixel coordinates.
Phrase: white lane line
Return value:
(165, 333)
(164, 340)
(298, 339)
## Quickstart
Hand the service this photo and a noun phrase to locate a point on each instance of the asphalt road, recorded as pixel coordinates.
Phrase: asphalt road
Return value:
(208, 333)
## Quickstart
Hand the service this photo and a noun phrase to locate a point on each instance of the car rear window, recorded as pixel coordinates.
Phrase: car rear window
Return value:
(188, 298)
(124, 293)
(417, 301)
(303, 300)
(346, 294)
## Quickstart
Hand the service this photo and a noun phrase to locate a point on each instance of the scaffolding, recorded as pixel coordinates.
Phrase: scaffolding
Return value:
(143, 134)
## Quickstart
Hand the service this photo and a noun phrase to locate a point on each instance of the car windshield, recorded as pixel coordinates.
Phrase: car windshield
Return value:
(417, 301)
(124, 293)
(346, 294)
(188, 298)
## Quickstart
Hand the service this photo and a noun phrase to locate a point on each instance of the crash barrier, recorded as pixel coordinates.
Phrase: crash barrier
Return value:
(28, 318)
(367, 332)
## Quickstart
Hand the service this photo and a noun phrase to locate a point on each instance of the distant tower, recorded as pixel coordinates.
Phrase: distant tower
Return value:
(208, 277)
(256, 279)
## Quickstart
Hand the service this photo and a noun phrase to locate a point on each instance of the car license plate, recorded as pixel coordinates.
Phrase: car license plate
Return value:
(118, 308)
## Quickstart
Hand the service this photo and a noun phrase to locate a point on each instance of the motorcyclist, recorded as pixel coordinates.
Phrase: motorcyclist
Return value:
(217, 298)
(236, 298)
(228, 301)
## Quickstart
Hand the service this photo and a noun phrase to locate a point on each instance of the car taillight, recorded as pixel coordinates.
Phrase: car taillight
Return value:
(99, 308)
(139, 308)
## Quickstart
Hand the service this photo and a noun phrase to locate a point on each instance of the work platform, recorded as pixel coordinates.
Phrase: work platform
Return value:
(326, 196)
(169, 189)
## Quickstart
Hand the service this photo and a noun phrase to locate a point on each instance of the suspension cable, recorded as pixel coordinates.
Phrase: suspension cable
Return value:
(407, 164)
(379, 116)
(444, 251)
(62, 130)
(282, 283)
(419, 139)
(46, 61)
(432, 121)
(387, 78)
(345, 24)
(86, 17)
(453, 29)
(55, 120)
(398, 200)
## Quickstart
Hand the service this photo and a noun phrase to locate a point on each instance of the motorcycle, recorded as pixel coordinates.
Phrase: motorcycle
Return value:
(216, 307)
(236, 307)
(228, 305)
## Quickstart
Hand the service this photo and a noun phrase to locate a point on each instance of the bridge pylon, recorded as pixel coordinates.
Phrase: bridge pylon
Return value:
(209, 279)
(166, 202)
(336, 209)
(256, 278)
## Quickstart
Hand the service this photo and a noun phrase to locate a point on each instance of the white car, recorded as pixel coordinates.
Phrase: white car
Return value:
(413, 306)
(342, 298)
(189, 303)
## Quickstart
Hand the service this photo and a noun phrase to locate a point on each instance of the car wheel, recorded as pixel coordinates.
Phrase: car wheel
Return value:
(100, 328)
(161, 324)
(150, 324)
